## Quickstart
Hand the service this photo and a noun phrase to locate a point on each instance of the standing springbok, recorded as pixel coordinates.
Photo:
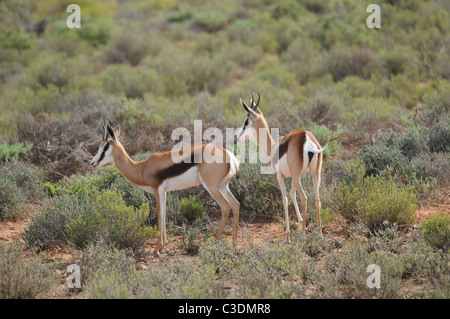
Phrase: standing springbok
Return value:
(291, 156)
(205, 163)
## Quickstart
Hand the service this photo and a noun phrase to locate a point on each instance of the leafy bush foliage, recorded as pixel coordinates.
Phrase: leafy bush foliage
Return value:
(20, 184)
(48, 227)
(13, 151)
(380, 157)
(436, 231)
(439, 140)
(373, 200)
(23, 278)
(114, 222)
(192, 208)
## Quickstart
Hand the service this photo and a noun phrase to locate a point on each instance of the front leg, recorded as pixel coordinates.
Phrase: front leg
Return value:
(160, 195)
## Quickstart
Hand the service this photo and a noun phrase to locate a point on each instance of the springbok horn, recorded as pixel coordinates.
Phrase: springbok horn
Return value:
(254, 106)
(107, 120)
(105, 132)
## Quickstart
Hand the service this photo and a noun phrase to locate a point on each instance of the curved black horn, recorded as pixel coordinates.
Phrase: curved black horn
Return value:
(105, 132)
(107, 120)
(255, 105)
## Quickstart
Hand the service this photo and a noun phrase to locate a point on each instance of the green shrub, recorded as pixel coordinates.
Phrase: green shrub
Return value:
(324, 135)
(12, 152)
(20, 183)
(413, 142)
(210, 20)
(439, 140)
(27, 177)
(436, 231)
(48, 227)
(374, 201)
(192, 208)
(55, 69)
(258, 194)
(133, 82)
(379, 157)
(344, 61)
(12, 200)
(99, 258)
(111, 220)
(23, 278)
(278, 76)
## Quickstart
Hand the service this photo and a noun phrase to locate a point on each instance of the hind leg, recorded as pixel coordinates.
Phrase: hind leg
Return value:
(297, 182)
(235, 206)
(294, 200)
(282, 185)
(315, 175)
(214, 191)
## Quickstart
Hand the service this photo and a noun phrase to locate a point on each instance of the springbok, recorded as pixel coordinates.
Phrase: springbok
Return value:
(291, 156)
(205, 163)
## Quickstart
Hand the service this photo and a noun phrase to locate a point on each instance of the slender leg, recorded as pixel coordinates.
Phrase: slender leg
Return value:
(235, 207)
(294, 200)
(224, 206)
(316, 183)
(297, 182)
(282, 185)
(160, 203)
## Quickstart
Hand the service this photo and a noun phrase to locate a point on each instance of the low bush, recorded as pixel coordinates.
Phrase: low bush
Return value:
(192, 209)
(324, 135)
(250, 188)
(99, 258)
(436, 231)
(20, 184)
(29, 178)
(379, 157)
(439, 140)
(12, 200)
(48, 227)
(373, 201)
(14, 151)
(23, 278)
(114, 222)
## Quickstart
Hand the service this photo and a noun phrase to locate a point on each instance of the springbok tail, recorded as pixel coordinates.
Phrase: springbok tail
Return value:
(318, 151)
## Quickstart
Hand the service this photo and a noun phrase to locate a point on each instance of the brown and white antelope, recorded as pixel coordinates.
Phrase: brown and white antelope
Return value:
(160, 174)
(291, 156)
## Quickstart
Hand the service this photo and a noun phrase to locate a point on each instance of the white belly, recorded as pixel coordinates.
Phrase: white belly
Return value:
(188, 179)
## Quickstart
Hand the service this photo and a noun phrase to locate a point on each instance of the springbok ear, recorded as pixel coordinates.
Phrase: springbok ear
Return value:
(247, 109)
(117, 131)
(111, 133)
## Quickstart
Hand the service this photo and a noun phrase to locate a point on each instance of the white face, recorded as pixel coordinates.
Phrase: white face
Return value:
(246, 132)
(103, 156)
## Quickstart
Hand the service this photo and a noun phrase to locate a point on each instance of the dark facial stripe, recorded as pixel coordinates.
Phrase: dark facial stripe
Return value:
(246, 122)
(103, 153)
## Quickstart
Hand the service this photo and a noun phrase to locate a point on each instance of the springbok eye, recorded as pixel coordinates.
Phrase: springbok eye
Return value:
(106, 147)
(246, 122)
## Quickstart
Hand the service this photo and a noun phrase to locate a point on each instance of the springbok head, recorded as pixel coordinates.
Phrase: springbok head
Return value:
(248, 129)
(104, 154)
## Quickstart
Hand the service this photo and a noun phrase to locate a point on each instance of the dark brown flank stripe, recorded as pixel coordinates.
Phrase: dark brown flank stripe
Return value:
(176, 169)
(283, 147)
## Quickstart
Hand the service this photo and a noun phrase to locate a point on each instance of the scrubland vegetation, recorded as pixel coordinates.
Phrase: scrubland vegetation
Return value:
(153, 66)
